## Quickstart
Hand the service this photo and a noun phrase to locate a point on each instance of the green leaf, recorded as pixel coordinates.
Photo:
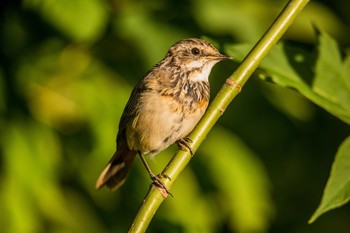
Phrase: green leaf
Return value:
(337, 191)
(323, 79)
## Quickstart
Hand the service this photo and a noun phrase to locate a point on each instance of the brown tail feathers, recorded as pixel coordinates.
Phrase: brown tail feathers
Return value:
(114, 175)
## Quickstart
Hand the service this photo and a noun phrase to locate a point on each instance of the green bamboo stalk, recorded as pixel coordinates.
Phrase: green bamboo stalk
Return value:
(227, 93)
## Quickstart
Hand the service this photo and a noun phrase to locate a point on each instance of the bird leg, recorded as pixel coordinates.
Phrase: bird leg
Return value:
(184, 143)
(156, 178)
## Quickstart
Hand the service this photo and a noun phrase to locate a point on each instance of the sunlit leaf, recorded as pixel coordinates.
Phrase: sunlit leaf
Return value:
(323, 78)
(337, 191)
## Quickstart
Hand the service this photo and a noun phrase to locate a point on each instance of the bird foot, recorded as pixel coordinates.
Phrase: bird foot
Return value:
(184, 144)
(160, 184)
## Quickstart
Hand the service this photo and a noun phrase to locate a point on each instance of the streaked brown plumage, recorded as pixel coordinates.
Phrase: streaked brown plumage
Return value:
(163, 108)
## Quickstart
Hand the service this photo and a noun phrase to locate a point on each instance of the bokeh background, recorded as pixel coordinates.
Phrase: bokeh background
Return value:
(67, 69)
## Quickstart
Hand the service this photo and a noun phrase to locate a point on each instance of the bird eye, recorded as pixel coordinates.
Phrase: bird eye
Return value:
(195, 51)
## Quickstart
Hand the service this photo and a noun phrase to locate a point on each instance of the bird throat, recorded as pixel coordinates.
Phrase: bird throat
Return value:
(200, 73)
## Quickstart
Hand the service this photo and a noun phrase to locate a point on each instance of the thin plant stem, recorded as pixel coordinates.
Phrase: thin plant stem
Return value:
(227, 93)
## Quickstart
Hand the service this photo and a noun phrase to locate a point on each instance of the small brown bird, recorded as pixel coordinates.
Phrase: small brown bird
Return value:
(163, 108)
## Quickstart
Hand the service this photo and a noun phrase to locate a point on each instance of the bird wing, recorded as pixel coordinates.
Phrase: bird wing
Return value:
(149, 83)
(130, 109)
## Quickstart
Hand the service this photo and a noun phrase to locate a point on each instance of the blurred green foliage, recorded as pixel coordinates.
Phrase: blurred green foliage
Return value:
(67, 69)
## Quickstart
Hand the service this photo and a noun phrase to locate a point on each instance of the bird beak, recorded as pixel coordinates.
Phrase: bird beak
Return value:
(220, 57)
(224, 57)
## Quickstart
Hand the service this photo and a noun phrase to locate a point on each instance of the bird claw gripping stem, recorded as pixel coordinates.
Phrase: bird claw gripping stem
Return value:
(160, 185)
(184, 144)
(156, 181)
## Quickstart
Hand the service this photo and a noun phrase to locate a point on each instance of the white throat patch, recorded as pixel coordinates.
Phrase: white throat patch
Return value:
(203, 74)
